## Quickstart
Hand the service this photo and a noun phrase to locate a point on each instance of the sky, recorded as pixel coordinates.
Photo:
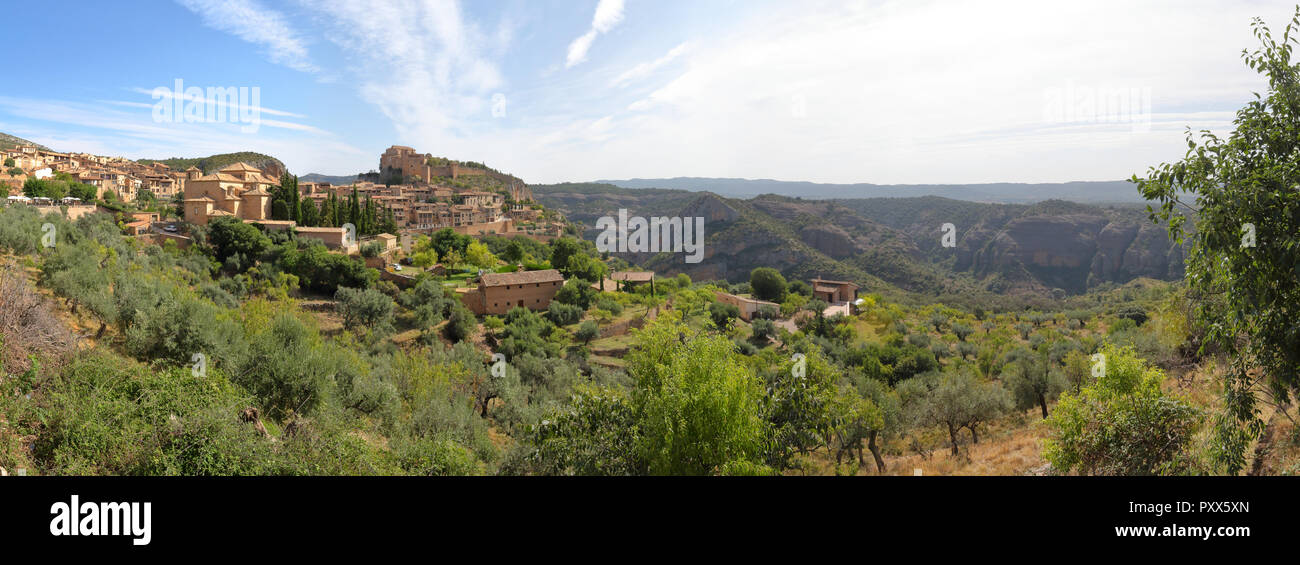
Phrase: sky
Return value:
(887, 92)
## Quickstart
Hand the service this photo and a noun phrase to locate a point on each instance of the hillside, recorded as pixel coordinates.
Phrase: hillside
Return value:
(1023, 193)
(1000, 248)
(10, 141)
(272, 166)
(332, 179)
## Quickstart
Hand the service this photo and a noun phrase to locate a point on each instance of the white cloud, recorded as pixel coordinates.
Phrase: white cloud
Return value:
(922, 92)
(169, 93)
(132, 133)
(645, 69)
(254, 23)
(897, 91)
(609, 13)
(421, 63)
(578, 49)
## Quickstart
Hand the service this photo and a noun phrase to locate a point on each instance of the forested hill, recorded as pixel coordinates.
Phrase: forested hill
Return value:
(212, 163)
(1041, 249)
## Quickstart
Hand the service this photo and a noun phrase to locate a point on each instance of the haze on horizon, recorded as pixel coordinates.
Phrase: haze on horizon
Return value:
(886, 92)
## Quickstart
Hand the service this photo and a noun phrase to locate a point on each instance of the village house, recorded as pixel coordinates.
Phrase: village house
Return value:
(839, 295)
(332, 238)
(834, 292)
(497, 293)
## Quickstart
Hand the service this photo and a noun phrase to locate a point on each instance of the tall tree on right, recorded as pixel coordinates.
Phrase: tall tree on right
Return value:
(1244, 261)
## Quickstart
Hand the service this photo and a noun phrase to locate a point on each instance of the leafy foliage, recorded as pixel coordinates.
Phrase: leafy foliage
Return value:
(1245, 254)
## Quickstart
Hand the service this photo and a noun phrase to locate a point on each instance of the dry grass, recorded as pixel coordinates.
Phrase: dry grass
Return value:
(1011, 446)
(1007, 448)
(28, 324)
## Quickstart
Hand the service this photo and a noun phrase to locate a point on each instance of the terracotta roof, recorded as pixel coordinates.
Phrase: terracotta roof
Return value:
(224, 177)
(240, 166)
(200, 199)
(256, 192)
(838, 283)
(523, 277)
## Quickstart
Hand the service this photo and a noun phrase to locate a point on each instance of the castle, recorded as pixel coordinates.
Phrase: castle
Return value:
(407, 162)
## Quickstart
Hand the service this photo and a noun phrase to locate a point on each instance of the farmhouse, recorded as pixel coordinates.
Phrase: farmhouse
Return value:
(834, 292)
(748, 306)
(497, 293)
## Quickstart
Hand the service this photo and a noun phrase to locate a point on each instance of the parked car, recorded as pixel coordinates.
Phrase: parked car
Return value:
(170, 228)
(397, 267)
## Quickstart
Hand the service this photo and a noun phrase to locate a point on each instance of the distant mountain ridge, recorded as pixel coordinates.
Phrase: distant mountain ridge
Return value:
(332, 179)
(1096, 192)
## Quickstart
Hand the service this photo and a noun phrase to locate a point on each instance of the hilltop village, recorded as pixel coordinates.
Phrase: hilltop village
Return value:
(416, 194)
(433, 317)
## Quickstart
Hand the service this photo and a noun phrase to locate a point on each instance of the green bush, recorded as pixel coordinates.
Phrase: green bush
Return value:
(1123, 423)
(564, 314)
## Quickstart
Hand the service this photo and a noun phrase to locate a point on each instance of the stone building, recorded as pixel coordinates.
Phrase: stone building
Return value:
(497, 293)
(834, 292)
(407, 161)
(748, 306)
(238, 190)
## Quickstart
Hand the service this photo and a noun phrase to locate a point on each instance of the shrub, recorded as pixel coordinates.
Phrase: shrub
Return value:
(609, 305)
(588, 331)
(722, 314)
(460, 324)
(369, 308)
(1123, 423)
(563, 314)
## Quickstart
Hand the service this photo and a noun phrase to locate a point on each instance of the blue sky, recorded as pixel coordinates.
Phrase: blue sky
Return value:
(913, 91)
